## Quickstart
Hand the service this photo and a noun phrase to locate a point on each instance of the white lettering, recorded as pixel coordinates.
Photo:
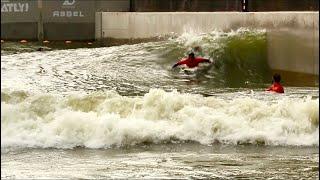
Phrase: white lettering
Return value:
(69, 14)
(15, 7)
(21, 6)
(10, 7)
(4, 8)
(55, 13)
(68, 2)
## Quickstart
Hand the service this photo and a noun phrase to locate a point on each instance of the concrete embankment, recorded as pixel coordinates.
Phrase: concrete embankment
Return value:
(292, 37)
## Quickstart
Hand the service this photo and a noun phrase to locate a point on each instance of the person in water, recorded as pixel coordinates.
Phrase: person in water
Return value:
(276, 86)
(191, 61)
(40, 49)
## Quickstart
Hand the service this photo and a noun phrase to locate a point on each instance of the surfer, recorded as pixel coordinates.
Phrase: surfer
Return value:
(191, 61)
(42, 70)
(276, 86)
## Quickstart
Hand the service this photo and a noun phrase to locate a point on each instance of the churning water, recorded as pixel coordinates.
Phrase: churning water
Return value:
(122, 112)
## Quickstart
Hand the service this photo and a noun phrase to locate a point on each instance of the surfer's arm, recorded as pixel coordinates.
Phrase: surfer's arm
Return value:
(206, 61)
(270, 88)
(178, 63)
(203, 60)
(175, 65)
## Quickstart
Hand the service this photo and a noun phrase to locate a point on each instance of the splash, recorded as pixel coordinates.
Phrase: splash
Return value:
(240, 56)
(107, 119)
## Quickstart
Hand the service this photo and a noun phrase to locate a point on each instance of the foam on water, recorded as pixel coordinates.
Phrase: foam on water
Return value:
(107, 119)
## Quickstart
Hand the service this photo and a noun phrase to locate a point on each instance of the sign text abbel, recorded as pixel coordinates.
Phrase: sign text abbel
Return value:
(70, 5)
(67, 14)
(14, 7)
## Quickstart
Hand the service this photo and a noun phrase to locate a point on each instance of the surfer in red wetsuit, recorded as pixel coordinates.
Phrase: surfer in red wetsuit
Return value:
(191, 61)
(276, 86)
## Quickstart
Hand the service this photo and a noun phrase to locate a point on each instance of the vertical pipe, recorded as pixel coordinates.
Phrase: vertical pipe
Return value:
(101, 29)
(40, 22)
(316, 81)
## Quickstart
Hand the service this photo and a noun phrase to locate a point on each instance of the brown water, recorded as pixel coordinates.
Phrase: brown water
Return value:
(122, 112)
(166, 161)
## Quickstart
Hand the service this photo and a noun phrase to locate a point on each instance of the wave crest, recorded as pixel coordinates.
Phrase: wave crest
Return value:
(106, 119)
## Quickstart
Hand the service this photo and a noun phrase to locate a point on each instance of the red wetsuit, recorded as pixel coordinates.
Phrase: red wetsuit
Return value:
(276, 87)
(191, 63)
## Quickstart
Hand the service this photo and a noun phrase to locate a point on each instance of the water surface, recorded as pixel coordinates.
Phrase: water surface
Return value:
(122, 112)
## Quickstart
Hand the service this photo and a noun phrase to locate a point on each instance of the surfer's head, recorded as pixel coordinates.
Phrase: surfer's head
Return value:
(276, 78)
(191, 55)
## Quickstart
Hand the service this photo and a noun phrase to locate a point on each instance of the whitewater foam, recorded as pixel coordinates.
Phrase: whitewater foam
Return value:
(212, 41)
(107, 119)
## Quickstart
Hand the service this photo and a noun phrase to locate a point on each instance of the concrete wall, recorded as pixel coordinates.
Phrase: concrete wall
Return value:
(292, 37)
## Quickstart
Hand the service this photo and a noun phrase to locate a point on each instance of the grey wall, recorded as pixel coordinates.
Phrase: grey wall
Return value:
(19, 19)
(13, 11)
(54, 19)
(68, 20)
(112, 5)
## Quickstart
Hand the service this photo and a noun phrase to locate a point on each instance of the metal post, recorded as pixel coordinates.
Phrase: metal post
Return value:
(40, 22)
(245, 5)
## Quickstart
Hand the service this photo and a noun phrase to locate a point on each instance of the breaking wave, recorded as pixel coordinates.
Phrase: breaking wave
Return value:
(107, 119)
